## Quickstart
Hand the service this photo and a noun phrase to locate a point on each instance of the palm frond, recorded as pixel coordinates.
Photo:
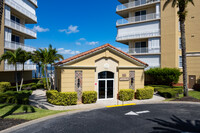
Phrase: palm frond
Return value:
(166, 4)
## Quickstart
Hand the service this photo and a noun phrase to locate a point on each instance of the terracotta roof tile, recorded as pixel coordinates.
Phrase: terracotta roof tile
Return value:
(96, 49)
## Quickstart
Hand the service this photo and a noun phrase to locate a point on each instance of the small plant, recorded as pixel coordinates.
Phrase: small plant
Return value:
(4, 86)
(145, 93)
(89, 97)
(126, 94)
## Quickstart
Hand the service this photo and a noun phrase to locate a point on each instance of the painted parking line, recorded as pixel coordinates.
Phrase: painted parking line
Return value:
(111, 106)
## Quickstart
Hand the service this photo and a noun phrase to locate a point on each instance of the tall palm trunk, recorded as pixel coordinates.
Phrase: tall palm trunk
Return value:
(45, 67)
(22, 78)
(16, 77)
(184, 62)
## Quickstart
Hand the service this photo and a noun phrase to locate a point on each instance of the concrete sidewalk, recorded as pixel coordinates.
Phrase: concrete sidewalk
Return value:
(38, 99)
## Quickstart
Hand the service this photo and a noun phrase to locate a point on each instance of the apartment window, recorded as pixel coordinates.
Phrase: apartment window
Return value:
(180, 61)
(16, 19)
(140, 15)
(15, 38)
(180, 47)
(140, 47)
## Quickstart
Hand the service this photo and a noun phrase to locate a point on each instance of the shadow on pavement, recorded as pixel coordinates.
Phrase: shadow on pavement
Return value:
(176, 125)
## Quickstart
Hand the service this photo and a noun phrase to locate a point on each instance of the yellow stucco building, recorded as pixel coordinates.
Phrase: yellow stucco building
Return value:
(105, 70)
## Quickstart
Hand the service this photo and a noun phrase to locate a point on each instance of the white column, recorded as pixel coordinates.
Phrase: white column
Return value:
(157, 10)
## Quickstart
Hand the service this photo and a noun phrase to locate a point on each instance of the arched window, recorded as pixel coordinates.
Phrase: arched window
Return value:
(106, 75)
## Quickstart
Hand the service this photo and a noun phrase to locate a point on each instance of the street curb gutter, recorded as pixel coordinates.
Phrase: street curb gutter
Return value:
(111, 106)
(14, 128)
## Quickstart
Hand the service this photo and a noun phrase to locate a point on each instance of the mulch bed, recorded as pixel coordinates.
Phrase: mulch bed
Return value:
(6, 123)
(189, 99)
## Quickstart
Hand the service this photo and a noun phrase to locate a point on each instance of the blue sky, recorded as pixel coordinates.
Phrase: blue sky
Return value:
(74, 26)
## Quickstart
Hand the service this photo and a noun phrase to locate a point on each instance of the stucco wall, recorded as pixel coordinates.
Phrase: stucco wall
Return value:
(2, 41)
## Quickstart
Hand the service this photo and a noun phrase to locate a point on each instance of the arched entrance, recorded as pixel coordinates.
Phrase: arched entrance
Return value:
(105, 85)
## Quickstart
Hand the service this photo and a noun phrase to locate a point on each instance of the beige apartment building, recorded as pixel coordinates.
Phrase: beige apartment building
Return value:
(153, 35)
(16, 14)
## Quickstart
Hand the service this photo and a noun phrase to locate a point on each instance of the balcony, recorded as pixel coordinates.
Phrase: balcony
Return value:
(137, 19)
(144, 50)
(8, 67)
(34, 2)
(130, 36)
(21, 28)
(15, 45)
(135, 4)
(21, 9)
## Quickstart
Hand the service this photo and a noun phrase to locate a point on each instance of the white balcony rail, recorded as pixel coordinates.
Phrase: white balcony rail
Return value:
(135, 4)
(34, 1)
(15, 45)
(8, 67)
(136, 19)
(144, 50)
(138, 35)
(21, 9)
(19, 27)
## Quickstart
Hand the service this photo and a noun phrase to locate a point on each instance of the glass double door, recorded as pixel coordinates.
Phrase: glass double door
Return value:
(106, 88)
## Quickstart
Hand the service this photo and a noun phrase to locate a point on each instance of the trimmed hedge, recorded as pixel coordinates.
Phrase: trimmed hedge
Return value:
(13, 97)
(163, 76)
(4, 86)
(170, 92)
(126, 94)
(89, 97)
(145, 93)
(58, 98)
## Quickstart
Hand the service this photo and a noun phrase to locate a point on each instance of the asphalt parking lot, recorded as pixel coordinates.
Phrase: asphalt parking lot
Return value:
(155, 118)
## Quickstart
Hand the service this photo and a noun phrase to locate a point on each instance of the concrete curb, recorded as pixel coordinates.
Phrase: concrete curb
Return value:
(12, 129)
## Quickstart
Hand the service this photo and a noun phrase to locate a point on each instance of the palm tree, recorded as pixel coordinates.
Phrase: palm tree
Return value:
(25, 56)
(53, 57)
(13, 57)
(182, 5)
(44, 56)
(36, 59)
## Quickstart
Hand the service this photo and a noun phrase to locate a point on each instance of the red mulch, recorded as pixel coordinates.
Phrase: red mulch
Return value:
(7, 123)
(189, 99)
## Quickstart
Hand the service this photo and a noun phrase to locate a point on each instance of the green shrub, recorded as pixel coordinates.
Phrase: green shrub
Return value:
(40, 85)
(144, 93)
(13, 97)
(89, 97)
(58, 98)
(163, 76)
(170, 92)
(126, 94)
(4, 86)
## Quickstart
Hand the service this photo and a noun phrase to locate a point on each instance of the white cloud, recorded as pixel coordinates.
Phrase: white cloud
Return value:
(92, 43)
(82, 39)
(40, 29)
(71, 29)
(78, 43)
(67, 51)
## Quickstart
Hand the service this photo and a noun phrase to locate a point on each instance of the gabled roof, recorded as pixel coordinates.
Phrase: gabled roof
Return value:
(97, 49)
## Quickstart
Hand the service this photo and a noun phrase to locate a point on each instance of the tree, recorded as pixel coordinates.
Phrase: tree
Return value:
(37, 60)
(25, 56)
(13, 57)
(182, 12)
(53, 57)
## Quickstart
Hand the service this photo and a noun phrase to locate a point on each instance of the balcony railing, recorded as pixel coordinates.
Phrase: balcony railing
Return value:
(21, 9)
(136, 19)
(135, 4)
(15, 45)
(8, 67)
(138, 35)
(144, 50)
(34, 1)
(19, 27)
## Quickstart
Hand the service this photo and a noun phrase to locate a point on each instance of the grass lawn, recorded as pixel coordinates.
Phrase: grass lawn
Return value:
(14, 111)
(194, 94)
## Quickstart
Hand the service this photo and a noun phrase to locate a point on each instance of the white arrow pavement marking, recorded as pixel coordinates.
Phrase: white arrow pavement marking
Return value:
(141, 112)
(131, 113)
(137, 113)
